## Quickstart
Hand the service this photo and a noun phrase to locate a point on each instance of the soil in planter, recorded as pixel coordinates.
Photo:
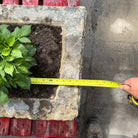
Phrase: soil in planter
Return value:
(47, 40)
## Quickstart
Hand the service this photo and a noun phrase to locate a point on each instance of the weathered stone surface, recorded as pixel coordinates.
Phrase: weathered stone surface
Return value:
(72, 21)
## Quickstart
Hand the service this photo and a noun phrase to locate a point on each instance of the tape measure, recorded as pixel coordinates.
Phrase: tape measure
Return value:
(132, 100)
(75, 82)
(81, 82)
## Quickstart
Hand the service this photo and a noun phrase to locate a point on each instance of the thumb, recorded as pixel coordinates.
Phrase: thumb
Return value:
(125, 88)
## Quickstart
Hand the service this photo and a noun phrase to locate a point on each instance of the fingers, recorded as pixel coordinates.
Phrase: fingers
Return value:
(126, 88)
(128, 82)
(126, 85)
(131, 86)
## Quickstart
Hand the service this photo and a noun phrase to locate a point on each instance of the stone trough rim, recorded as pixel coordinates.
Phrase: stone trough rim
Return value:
(67, 104)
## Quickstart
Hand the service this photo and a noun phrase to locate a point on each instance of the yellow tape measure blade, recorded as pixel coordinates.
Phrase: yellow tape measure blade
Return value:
(75, 82)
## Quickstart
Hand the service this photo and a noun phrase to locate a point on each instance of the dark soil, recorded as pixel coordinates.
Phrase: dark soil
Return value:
(47, 40)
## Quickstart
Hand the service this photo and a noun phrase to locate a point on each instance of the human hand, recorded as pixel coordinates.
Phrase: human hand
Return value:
(130, 86)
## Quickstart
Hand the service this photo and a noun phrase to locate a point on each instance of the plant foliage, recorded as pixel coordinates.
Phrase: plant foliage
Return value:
(16, 58)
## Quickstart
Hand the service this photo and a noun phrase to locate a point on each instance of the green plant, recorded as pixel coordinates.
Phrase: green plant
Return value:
(16, 58)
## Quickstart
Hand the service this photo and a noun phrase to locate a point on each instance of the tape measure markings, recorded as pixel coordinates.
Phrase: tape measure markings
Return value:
(74, 82)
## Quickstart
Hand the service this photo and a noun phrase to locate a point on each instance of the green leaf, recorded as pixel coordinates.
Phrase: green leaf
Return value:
(16, 53)
(30, 59)
(1, 37)
(7, 85)
(25, 30)
(11, 81)
(24, 40)
(24, 82)
(14, 84)
(28, 65)
(3, 26)
(16, 58)
(16, 32)
(29, 62)
(2, 73)
(4, 89)
(22, 48)
(9, 58)
(4, 79)
(5, 33)
(2, 64)
(10, 41)
(9, 69)
(1, 47)
(15, 72)
(1, 81)
(6, 51)
(3, 97)
(18, 61)
(23, 69)
(31, 50)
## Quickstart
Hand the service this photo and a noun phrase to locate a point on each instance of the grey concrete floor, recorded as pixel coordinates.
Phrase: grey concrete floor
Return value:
(111, 53)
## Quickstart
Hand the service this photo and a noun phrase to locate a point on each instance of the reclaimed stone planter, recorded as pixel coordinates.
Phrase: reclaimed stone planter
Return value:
(64, 106)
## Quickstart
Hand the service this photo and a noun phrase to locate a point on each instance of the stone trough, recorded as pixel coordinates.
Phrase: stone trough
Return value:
(64, 106)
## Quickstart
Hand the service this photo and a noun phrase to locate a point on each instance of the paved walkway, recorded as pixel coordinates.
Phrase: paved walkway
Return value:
(111, 53)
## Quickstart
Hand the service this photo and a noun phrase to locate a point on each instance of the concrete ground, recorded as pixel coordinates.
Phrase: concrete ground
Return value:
(111, 53)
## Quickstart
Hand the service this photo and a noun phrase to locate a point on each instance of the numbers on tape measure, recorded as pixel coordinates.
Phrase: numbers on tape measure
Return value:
(75, 82)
